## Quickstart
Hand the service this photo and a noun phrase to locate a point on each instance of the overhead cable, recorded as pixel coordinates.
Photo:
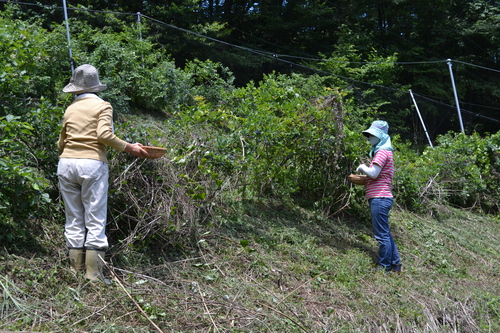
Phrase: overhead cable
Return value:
(466, 63)
(463, 110)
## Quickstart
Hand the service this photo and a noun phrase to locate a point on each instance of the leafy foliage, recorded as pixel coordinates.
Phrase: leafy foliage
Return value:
(288, 137)
(22, 185)
(29, 66)
(278, 138)
(462, 170)
(256, 38)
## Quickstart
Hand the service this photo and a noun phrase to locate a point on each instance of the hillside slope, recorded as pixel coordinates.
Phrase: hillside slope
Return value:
(265, 268)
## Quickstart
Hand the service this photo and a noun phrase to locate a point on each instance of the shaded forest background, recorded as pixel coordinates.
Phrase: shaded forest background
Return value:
(332, 38)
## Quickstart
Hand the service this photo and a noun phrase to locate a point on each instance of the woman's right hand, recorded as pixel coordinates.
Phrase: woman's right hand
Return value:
(361, 167)
(136, 150)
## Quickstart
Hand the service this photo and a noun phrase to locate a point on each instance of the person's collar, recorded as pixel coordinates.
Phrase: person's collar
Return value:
(86, 95)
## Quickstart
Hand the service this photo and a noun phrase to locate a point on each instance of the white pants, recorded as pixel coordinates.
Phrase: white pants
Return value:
(84, 189)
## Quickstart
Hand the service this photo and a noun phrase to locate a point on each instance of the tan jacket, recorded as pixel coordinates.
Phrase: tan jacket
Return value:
(87, 129)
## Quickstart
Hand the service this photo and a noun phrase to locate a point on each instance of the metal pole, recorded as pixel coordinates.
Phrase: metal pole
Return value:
(456, 96)
(140, 33)
(139, 24)
(67, 35)
(421, 120)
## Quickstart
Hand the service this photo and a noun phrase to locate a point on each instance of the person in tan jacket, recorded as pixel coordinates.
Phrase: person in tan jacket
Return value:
(87, 130)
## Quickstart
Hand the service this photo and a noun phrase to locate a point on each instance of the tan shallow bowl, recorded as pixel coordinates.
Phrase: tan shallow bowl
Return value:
(357, 179)
(155, 152)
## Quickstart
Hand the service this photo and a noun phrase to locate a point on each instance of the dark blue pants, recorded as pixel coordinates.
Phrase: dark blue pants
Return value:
(388, 255)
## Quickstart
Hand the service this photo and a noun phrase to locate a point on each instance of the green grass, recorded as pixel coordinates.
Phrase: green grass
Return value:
(262, 267)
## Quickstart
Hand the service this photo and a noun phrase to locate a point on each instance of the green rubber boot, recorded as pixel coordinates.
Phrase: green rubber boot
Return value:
(76, 259)
(95, 265)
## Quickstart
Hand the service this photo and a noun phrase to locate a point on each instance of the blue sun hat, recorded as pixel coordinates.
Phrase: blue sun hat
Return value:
(379, 129)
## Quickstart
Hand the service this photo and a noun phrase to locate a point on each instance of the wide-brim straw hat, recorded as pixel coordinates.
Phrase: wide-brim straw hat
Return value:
(85, 79)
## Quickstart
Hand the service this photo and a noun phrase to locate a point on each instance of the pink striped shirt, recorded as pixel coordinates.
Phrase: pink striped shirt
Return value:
(381, 187)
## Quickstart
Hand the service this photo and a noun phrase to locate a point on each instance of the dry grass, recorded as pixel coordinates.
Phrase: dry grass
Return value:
(262, 270)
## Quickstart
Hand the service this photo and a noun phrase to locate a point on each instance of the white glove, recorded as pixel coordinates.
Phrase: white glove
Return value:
(371, 172)
(361, 167)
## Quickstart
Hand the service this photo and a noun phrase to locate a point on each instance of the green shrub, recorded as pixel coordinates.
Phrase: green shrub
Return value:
(141, 76)
(461, 170)
(284, 138)
(23, 185)
(30, 67)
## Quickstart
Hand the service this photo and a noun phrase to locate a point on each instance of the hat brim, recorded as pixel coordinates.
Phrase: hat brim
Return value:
(71, 88)
(371, 131)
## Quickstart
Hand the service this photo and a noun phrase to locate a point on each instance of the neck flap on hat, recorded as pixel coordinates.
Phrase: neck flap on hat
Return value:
(384, 143)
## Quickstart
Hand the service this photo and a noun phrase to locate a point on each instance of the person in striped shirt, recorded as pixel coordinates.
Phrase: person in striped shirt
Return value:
(380, 173)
